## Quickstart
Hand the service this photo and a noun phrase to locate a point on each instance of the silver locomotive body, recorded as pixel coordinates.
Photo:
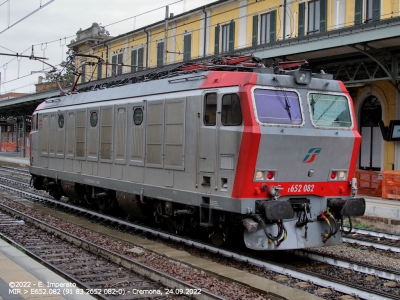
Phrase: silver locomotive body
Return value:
(209, 152)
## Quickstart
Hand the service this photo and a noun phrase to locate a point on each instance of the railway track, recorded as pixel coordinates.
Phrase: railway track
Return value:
(318, 279)
(373, 238)
(88, 265)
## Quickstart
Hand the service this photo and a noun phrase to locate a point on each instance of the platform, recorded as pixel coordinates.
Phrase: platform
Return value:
(21, 277)
(14, 158)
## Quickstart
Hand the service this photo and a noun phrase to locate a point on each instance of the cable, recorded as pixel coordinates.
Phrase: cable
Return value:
(8, 49)
(142, 13)
(28, 15)
(350, 226)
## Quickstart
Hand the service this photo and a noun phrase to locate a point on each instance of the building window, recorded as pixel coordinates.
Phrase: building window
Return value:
(83, 74)
(340, 15)
(99, 70)
(137, 59)
(254, 38)
(373, 10)
(358, 12)
(316, 16)
(225, 38)
(228, 37)
(187, 47)
(117, 64)
(268, 27)
(160, 54)
(301, 22)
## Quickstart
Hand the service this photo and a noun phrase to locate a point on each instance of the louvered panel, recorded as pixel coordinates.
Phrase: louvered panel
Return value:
(154, 143)
(60, 141)
(154, 154)
(174, 113)
(70, 135)
(137, 143)
(174, 133)
(106, 134)
(120, 135)
(154, 140)
(227, 162)
(52, 135)
(93, 142)
(80, 134)
(45, 135)
(173, 155)
(155, 113)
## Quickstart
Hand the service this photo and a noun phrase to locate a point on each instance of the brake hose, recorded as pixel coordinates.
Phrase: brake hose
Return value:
(350, 225)
(270, 236)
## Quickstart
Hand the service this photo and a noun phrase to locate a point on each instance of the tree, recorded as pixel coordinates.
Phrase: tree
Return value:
(65, 74)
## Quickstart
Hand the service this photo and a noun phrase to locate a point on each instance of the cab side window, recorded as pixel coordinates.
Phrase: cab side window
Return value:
(210, 109)
(231, 113)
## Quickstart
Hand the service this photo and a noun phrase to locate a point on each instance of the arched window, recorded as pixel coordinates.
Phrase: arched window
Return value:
(370, 151)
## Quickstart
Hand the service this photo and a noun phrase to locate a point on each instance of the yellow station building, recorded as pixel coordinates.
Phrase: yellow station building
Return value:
(355, 40)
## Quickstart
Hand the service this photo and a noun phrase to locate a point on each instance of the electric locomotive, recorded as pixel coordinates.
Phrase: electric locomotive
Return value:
(230, 147)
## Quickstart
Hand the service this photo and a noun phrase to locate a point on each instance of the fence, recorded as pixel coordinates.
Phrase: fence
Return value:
(369, 183)
(8, 143)
(391, 185)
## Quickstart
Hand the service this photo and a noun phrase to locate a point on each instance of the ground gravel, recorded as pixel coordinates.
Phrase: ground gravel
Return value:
(362, 255)
(198, 278)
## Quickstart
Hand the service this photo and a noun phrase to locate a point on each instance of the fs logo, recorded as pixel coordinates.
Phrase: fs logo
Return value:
(311, 155)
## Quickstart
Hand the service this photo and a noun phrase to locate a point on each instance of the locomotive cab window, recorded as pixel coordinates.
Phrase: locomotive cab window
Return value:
(93, 118)
(210, 109)
(231, 114)
(278, 107)
(137, 116)
(329, 110)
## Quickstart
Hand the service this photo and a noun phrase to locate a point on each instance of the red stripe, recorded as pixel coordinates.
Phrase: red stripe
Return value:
(249, 147)
(357, 136)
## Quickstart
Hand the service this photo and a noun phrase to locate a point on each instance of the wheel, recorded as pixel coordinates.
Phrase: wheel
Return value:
(56, 192)
(219, 235)
(102, 204)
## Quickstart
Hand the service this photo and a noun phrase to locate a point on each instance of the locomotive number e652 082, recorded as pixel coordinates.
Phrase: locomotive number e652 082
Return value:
(300, 188)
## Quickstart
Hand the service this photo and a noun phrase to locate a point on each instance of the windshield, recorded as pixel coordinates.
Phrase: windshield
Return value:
(329, 110)
(278, 107)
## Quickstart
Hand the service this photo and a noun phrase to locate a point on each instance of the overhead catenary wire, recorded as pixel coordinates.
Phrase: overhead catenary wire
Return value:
(4, 2)
(7, 49)
(184, 23)
(72, 36)
(27, 16)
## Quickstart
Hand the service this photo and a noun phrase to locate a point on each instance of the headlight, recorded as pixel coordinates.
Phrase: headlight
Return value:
(260, 175)
(265, 175)
(340, 175)
(302, 76)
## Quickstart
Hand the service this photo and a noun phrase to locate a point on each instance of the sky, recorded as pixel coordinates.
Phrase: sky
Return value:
(50, 25)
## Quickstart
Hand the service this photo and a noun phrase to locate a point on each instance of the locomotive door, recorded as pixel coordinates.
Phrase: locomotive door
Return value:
(207, 144)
